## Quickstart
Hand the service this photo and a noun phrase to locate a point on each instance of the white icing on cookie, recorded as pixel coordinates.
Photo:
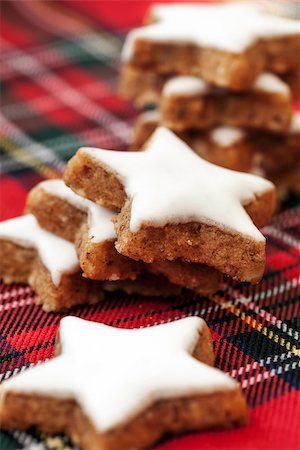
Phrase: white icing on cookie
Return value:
(150, 116)
(295, 123)
(186, 85)
(267, 82)
(57, 254)
(231, 27)
(99, 219)
(192, 86)
(226, 135)
(129, 371)
(221, 135)
(169, 183)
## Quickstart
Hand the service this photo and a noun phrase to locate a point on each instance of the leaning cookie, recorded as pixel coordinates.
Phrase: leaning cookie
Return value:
(47, 262)
(59, 210)
(89, 226)
(228, 45)
(176, 205)
(164, 386)
(189, 103)
(226, 146)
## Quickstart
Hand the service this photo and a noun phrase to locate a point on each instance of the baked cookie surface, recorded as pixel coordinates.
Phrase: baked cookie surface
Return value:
(189, 103)
(273, 155)
(277, 153)
(87, 224)
(176, 205)
(45, 261)
(226, 146)
(190, 39)
(162, 388)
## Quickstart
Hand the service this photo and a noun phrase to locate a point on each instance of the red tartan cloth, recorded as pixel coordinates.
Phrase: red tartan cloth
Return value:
(59, 73)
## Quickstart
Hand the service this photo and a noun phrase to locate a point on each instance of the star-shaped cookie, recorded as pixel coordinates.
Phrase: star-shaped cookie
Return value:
(175, 205)
(114, 388)
(189, 103)
(48, 263)
(59, 210)
(228, 45)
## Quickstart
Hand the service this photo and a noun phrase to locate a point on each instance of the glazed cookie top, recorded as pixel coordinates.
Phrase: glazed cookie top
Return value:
(130, 371)
(225, 136)
(169, 183)
(231, 27)
(153, 115)
(185, 86)
(272, 84)
(99, 219)
(57, 254)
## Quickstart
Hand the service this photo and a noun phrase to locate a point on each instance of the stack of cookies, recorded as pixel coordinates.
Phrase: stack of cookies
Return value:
(110, 388)
(151, 222)
(155, 222)
(217, 76)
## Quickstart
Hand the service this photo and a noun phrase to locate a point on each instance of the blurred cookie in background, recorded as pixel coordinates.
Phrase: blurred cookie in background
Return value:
(284, 8)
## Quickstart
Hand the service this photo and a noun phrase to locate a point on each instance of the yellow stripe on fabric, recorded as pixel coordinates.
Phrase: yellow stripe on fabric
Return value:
(19, 154)
(54, 442)
(257, 326)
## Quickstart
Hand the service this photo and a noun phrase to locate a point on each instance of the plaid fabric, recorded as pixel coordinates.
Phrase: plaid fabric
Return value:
(59, 70)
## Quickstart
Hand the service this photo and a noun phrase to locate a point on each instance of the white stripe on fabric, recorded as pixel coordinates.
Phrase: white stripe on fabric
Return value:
(270, 230)
(37, 149)
(70, 96)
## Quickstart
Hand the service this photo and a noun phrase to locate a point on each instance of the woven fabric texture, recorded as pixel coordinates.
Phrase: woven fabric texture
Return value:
(59, 70)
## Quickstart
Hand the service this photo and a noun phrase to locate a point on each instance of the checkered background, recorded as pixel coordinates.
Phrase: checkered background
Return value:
(59, 70)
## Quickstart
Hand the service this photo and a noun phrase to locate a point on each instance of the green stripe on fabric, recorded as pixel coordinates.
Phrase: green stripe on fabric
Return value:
(89, 49)
(21, 155)
(7, 442)
(63, 144)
